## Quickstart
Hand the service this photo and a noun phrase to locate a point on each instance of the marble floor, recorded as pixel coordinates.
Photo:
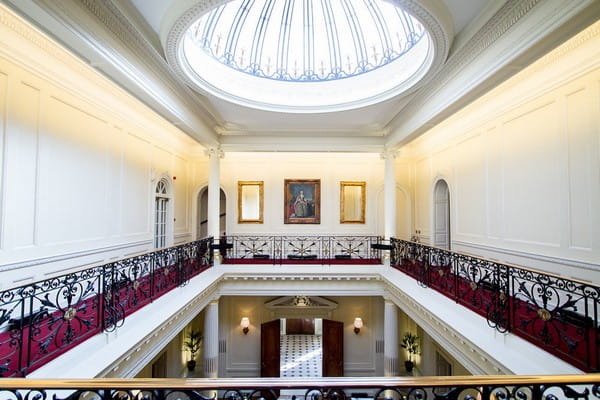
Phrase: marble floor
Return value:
(301, 356)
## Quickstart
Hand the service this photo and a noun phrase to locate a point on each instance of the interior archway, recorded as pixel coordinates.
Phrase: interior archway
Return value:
(202, 213)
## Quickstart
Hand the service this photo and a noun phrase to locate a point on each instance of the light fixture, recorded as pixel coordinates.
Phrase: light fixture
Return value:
(358, 323)
(245, 323)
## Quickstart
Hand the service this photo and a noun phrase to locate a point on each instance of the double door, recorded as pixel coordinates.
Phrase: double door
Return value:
(333, 347)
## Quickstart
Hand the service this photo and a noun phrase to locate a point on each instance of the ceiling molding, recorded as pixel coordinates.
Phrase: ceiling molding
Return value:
(100, 33)
(433, 14)
(480, 64)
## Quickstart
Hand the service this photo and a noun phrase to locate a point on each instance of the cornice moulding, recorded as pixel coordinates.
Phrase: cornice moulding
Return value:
(28, 48)
(482, 62)
(101, 31)
(432, 14)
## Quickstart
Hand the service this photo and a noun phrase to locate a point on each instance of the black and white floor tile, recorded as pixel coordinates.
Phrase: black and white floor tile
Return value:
(301, 356)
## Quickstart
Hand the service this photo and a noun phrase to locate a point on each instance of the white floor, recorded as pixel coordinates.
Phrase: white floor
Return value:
(301, 356)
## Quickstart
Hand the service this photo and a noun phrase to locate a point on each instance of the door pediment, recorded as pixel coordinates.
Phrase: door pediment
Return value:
(308, 306)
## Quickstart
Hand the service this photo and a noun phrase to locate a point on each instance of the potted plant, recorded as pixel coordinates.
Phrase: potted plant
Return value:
(410, 343)
(192, 343)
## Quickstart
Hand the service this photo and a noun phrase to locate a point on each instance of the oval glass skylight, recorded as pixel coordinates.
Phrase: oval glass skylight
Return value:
(306, 55)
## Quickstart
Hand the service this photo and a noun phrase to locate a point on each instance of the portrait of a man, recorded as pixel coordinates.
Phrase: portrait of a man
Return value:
(302, 201)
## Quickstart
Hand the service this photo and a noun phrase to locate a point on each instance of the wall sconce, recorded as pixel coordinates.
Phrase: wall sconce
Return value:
(245, 323)
(358, 323)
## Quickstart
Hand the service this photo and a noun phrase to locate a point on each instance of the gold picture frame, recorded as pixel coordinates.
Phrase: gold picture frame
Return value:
(250, 202)
(352, 202)
(302, 201)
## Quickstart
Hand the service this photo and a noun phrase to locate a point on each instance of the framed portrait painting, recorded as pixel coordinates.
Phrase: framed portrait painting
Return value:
(302, 201)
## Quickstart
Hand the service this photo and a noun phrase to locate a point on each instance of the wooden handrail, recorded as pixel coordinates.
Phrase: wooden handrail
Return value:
(304, 383)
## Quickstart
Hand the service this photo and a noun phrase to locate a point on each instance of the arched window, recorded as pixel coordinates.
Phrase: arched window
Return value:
(160, 216)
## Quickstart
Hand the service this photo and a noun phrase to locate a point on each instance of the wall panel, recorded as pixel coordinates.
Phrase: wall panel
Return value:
(494, 184)
(21, 165)
(531, 149)
(423, 188)
(114, 136)
(136, 200)
(182, 196)
(581, 132)
(469, 189)
(3, 123)
(73, 154)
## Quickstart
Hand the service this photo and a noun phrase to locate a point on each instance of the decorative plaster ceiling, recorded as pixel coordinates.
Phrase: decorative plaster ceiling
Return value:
(309, 55)
(476, 45)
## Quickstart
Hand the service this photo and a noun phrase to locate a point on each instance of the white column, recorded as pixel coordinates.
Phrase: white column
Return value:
(214, 189)
(211, 340)
(389, 194)
(390, 339)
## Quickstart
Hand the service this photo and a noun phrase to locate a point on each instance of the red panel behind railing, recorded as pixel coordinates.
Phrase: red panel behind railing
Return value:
(40, 321)
(557, 314)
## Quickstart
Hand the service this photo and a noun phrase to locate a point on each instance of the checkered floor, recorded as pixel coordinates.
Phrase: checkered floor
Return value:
(301, 356)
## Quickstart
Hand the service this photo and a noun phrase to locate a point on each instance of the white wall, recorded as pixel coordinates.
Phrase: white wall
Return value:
(79, 160)
(330, 168)
(522, 166)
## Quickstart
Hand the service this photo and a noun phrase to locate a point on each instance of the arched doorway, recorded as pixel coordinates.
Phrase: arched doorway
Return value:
(441, 215)
(202, 213)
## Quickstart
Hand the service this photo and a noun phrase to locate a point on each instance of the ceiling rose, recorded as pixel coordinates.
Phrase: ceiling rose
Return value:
(302, 55)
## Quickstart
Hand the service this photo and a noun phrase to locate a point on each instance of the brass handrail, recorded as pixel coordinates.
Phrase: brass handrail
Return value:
(282, 383)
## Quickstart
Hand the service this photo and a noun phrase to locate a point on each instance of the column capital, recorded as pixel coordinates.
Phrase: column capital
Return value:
(214, 151)
(389, 154)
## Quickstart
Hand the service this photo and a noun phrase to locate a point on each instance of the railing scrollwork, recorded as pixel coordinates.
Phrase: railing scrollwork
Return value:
(560, 315)
(254, 249)
(41, 320)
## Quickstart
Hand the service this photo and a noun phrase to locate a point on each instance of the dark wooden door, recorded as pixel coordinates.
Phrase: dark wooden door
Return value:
(300, 326)
(270, 347)
(333, 348)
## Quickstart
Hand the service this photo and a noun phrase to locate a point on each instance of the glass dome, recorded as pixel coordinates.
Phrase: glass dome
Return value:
(303, 54)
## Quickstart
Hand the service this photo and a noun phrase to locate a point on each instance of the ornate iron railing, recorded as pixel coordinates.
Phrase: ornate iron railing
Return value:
(560, 315)
(257, 249)
(576, 387)
(42, 320)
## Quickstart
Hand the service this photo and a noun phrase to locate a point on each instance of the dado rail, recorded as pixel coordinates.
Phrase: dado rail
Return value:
(584, 387)
(558, 314)
(42, 320)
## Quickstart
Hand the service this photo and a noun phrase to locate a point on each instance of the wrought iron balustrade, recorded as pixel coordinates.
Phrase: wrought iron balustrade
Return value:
(257, 249)
(558, 314)
(580, 387)
(41, 320)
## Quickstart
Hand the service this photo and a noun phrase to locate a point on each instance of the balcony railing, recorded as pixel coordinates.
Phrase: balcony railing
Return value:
(583, 387)
(256, 249)
(42, 320)
(558, 314)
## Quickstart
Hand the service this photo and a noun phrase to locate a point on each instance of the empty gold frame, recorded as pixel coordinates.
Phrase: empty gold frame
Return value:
(352, 202)
(250, 202)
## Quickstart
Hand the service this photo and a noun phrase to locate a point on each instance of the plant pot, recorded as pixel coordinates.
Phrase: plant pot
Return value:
(409, 365)
(191, 365)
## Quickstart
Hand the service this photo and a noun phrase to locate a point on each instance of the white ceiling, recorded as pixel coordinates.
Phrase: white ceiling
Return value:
(368, 121)
(493, 39)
